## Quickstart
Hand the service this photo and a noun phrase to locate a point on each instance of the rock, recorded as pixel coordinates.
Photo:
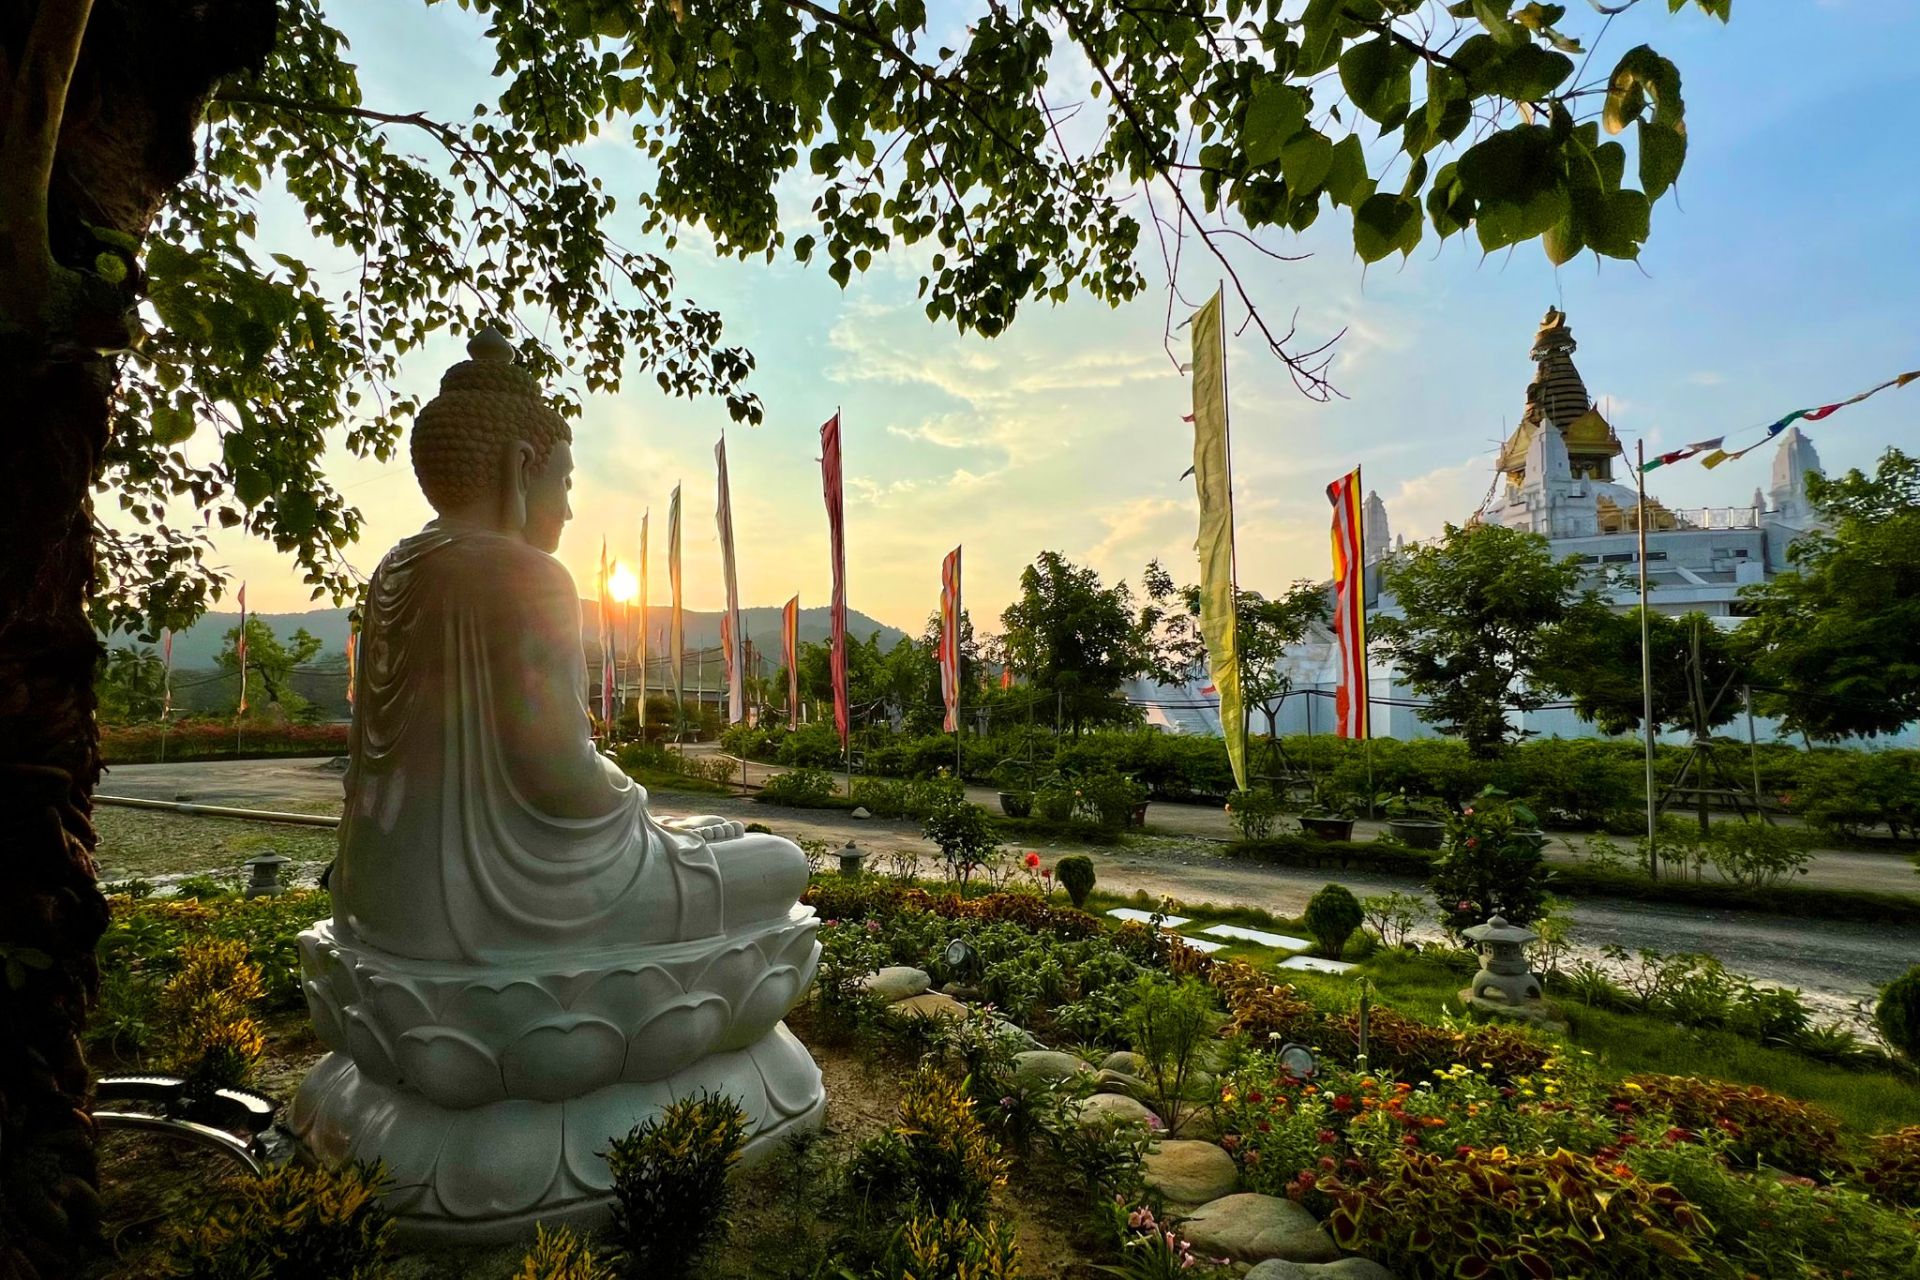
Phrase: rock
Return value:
(961, 991)
(1041, 1066)
(1191, 1172)
(1131, 1064)
(1199, 1122)
(860, 811)
(1345, 1269)
(1115, 1108)
(896, 982)
(1121, 1082)
(1252, 1228)
(931, 1004)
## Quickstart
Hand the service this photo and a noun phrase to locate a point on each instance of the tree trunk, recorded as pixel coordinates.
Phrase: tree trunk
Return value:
(125, 141)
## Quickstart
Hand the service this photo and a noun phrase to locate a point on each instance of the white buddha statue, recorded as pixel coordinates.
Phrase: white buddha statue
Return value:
(522, 962)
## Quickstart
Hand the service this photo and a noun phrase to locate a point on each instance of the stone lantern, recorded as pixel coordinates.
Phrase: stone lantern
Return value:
(851, 856)
(1504, 981)
(265, 872)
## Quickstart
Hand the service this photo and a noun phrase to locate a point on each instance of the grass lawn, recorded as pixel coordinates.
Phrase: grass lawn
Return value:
(141, 843)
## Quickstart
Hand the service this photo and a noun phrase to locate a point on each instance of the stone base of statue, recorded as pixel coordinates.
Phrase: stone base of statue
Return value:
(491, 1092)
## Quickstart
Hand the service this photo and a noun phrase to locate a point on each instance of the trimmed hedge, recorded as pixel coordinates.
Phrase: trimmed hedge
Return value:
(215, 740)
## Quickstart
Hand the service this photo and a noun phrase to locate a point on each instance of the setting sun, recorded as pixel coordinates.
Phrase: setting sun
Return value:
(622, 585)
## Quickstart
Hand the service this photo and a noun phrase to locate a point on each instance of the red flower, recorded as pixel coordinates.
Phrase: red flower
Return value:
(1328, 1137)
(1033, 859)
(1411, 1140)
(1473, 842)
(1256, 1097)
(1329, 1164)
(1343, 1103)
(1048, 873)
(1463, 1150)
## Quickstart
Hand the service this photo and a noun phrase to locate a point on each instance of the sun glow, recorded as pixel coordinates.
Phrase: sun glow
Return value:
(622, 586)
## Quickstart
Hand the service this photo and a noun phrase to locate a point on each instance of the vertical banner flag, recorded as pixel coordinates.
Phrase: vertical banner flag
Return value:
(727, 649)
(950, 639)
(166, 673)
(676, 647)
(640, 638)
(606, 641)
(736, 672)
(1213, 479)
(353, 646)
(240, 651)
(1350, 607)
(1006, 676)
(837, 549)
(790, 643)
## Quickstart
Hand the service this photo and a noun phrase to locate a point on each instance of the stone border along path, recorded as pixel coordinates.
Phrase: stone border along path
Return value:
(1196, 1179)
(1238, 933)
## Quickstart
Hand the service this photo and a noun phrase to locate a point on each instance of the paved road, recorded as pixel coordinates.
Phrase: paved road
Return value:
(1835, 962)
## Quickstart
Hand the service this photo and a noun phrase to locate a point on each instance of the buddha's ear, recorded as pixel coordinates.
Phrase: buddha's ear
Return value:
(519, 476)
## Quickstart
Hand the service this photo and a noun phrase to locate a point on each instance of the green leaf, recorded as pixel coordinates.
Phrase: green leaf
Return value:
(1275, 114)
(1662, 152)
(251, 486)
(171, 425)
(1529, 73)
(110, 267)
(1562, 241)
(1377, 76)
(1348, 171)
(1306, 162)
(1320, 24)
(1383, 224)
(1506, 222)
(1642, 74)
(1616, 224)
(1493, 16)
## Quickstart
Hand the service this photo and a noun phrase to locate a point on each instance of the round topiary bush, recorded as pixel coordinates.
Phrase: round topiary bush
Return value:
(1075, 873)
(1898, 1014)
(1331, 917)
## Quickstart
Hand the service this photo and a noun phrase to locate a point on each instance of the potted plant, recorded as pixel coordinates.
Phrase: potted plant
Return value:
(1055, 797)
(1015, 780)
(1415, 821)
(1330, 816)
(1113, 800)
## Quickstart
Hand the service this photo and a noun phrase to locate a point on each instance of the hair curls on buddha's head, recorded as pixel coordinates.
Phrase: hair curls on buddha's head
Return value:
(486, 404)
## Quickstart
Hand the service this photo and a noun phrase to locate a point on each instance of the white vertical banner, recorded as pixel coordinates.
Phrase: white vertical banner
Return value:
(736, 671)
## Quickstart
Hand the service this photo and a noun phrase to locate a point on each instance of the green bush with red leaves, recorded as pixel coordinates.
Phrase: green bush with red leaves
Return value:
(1891, 1170)
(1757, 1126)
(211, 739)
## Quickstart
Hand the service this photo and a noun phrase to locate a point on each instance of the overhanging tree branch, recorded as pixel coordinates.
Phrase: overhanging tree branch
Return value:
(29, 137)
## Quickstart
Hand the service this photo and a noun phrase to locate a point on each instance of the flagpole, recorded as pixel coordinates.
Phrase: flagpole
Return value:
(1365, 692)
(1646, 650)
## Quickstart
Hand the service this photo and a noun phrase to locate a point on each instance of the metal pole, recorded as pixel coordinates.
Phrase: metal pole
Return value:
(1753, 747)
(220, 811)
(1646, 650)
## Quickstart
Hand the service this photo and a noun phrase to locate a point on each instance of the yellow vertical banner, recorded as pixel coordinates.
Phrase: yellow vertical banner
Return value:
(1213, 478)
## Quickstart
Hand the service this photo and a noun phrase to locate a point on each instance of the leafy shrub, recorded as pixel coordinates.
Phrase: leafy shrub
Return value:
(1108, 799)
(1495, 1213)
(206, 1035)
(561, 1255)
(937, 1158)
(1055, 801)
(1892, 1167)
(296, 1223)
(1253, 812)
(1489, 868)
(1075, 873)
(1897, 1016)
(1294, 850)
(1168, 1024)
(211, 739)
(801, 788)
(670, 1183)
(1154, 1250)
(949, 1246)
(1756, 1125)
(1756, 853)
(1332, 916)
(965, 834)
(915, 799)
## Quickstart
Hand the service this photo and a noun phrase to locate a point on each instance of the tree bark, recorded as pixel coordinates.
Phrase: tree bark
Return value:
(125, 142)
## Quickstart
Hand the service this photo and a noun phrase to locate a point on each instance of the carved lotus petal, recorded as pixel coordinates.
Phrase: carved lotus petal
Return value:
(563, 1058)
(500, 1012)
(311, 1098)
(368, 1047)
(732, 974)
(768, 1002)
(593, 1122)
(677, 1036)
(628, 997)
(788, 1071)
(450, 1067)
(325, 1014)
(396, 1004)
(499, 1160)
(336, 969)
(796, 947)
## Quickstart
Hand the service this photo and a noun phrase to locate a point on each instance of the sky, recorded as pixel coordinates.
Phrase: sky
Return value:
(1785, 274)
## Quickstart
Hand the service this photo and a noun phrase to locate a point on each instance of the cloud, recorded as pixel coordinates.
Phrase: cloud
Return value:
(1137, 529)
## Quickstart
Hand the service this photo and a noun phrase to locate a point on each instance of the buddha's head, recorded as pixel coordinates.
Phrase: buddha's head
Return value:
(490, 450)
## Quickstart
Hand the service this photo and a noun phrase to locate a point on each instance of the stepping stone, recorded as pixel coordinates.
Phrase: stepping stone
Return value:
(1240, 933)
(1203, 946)
(1191, 1172)
(1345, 1269)
(1136, 916)
(1315, 964)
(1131, 1064)
(1041, 1066)
(1115, 1109)
(896, 982)
(1253, 1228)
(931, 1004)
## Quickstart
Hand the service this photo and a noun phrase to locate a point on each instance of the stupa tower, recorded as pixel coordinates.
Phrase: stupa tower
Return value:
(1557, 398)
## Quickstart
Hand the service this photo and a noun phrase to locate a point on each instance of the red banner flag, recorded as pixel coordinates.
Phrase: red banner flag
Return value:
(723, 516)
(950, 638)
(1006, 676)
(1350, 607)
(240, 652)
(790, 643)
(837, 545)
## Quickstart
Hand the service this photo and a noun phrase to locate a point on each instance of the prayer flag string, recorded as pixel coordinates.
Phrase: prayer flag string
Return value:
(1717, 454)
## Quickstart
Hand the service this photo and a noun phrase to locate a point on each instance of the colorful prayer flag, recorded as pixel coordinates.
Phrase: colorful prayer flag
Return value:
(949, 653)
(1213, 479)
(830, 482)
(790, 644)
(1717, 455)
(1351, 699)
(723, 516)
(676, 646)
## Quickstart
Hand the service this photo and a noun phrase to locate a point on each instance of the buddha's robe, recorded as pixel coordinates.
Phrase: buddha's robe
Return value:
(481, 823)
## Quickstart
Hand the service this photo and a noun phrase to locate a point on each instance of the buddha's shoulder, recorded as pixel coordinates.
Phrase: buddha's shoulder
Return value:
(489, 562)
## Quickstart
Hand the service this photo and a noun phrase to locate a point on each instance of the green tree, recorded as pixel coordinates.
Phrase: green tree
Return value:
(1836, 642)
(139, 137)
(131, 685)
(1593, 656)
(270, 667)
(1074, 641)
(1265, 629)
(1476, 610)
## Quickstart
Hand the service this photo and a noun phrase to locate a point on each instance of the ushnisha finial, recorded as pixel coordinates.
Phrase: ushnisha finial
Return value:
(491, 345)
